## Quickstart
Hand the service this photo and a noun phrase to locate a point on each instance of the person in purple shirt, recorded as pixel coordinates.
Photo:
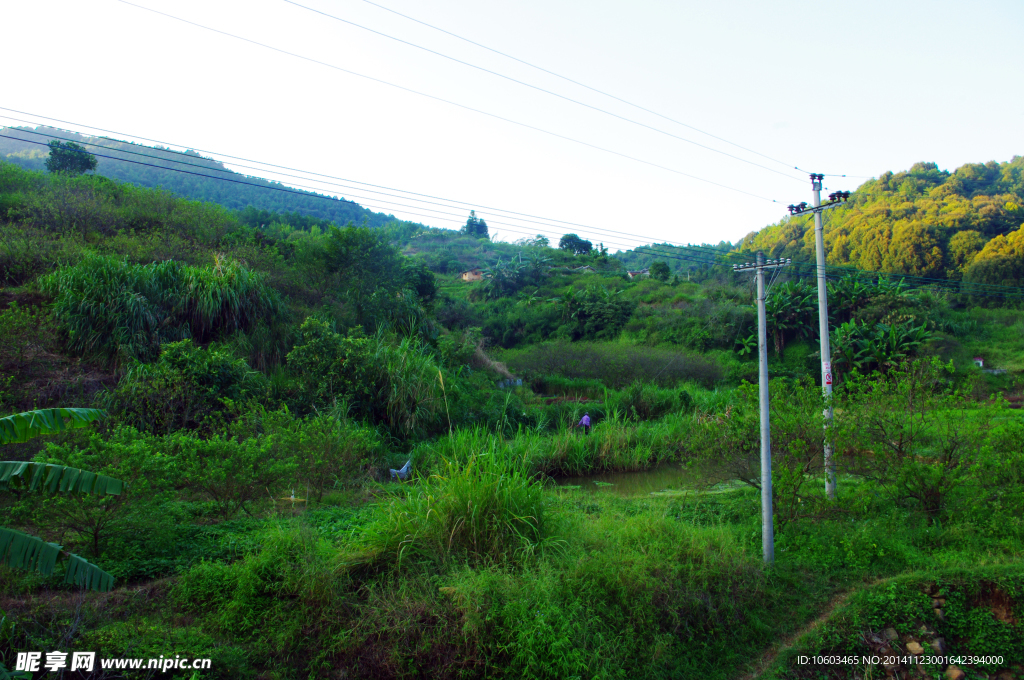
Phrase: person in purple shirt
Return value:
(585, 423)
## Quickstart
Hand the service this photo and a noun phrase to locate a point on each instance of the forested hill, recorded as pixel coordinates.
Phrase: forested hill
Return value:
(157, 169)
(967, 224)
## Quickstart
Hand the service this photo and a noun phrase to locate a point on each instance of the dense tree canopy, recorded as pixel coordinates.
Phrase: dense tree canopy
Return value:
(69, 158)
(475, 226)
(922, 222)
(659, 270)
(575, 245)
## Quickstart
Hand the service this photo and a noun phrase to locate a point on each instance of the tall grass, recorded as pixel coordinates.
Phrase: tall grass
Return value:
(615, 364)
(616, 444)
(485, 506)
(120, 311)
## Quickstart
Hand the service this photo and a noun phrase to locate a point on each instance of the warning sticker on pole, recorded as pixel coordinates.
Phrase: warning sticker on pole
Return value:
(826, 369)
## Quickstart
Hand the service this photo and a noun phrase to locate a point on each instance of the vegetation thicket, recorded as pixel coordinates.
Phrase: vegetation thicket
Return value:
(265, 368)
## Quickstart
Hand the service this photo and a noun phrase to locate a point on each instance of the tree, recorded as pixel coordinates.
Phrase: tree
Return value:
(69, 158)
(475, 226)
(575, 245)
(25, 551)
(659, 270)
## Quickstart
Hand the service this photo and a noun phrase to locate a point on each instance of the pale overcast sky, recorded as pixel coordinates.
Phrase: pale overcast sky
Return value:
(835, 87)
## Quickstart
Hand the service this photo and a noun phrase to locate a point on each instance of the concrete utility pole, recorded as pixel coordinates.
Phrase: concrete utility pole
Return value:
(825, 345)
(823, 335)
(767, 528)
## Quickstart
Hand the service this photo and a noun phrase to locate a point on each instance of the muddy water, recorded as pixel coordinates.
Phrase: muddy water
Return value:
(662, 479)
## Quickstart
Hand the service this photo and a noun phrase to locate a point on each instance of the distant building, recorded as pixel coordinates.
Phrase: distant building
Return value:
(979, 362)
(585, 269)
(475, 274)
(641, 274)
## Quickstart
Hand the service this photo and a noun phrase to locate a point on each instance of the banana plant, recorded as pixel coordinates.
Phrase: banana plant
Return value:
(790, 309)
(24, 551)
(748, 345)
(849, 348)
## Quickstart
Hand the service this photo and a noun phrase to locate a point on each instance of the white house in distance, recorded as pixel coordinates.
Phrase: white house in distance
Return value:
(979, 362)
(474, 274)
(641, 274)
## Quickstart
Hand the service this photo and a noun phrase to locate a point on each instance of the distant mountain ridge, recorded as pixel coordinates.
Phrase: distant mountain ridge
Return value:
(29, 151)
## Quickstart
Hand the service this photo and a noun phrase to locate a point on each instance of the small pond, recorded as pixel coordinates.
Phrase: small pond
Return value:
(665, 479)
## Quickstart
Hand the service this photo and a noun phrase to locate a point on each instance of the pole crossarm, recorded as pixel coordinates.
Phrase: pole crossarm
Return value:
(820, 209)
(768, 264)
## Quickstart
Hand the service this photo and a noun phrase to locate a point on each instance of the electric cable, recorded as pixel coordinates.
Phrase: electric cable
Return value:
(518, 216)
(964, 287)
(515, 228)
(576, 82)
(453, 103)
(540, 89)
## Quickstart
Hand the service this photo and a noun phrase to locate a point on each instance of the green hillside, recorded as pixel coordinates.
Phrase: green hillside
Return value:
(967, 224)
(156, 167)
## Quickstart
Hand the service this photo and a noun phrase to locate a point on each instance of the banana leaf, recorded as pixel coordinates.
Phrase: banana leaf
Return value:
(21, 427)
(24, 551)
(52, 478)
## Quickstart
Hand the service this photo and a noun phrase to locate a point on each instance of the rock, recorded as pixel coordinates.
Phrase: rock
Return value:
(939, 602)
(925, 630)
(938, 614)
(892, 634)
(954, 673)
(915, 647)
(939, 645)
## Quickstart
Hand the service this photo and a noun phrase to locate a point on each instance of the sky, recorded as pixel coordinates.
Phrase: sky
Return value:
(737, 94)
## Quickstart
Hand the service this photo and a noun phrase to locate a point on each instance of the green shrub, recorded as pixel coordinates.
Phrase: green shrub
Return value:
(393, 384)
(90, 522)
(329, 453)
(183, 388)
(644, 401)
(917, 439)
(229, 473)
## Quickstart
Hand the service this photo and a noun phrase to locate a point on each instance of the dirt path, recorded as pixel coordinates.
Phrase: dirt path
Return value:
(769, 656)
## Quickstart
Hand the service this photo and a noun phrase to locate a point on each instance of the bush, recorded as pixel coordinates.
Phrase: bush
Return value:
(92, 522)
(395, 385)
(644, 401)
(183, 388)
(229, 473)
(911, 434)
(328, 453)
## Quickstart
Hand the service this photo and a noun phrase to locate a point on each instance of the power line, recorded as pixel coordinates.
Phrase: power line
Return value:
(515, 228)
(453, 103)
(515, 215)
(964, 287)
(540, 89)
(576, 82)
(550, 229)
